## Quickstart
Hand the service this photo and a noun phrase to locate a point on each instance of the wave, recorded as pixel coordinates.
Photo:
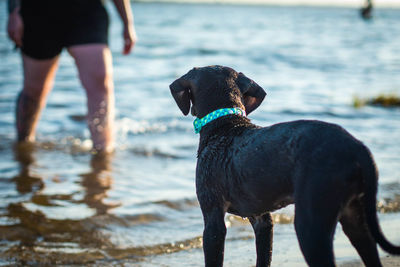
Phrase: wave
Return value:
(156, 152)
(389, 205)
(180, 205)
(48, 253)
(319, 114)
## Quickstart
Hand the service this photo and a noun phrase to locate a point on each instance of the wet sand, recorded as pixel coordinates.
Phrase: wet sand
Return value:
(387, 261)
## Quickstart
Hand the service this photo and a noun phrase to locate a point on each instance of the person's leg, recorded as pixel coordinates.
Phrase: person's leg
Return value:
(38, 82)
(94, 64)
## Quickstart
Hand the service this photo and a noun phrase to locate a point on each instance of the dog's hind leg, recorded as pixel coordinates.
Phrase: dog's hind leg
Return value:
(355, 227)
(263, 227)
(316, 240)
(316, 215)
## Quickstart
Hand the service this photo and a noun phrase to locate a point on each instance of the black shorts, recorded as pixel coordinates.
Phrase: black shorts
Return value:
(51, 25)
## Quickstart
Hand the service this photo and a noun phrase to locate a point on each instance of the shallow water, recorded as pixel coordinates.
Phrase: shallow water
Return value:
(62, 205)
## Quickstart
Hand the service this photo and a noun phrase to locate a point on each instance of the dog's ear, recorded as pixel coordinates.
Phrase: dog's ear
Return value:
(253, 94)
(181, 93)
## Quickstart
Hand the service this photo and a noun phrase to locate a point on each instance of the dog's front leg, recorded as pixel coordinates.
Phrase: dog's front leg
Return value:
(263, 227)
(213, 235)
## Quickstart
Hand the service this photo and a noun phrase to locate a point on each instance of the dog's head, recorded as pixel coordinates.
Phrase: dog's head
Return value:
(214, 87)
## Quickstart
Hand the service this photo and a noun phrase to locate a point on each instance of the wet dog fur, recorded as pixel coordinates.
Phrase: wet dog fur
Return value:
(251, 171)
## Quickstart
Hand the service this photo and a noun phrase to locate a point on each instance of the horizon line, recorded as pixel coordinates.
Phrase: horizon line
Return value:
(310, 3)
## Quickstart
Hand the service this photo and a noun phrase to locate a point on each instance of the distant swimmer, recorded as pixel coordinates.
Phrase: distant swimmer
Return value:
(366, 12)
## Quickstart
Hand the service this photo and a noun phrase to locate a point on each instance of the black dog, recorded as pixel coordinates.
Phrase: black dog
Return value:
(251, 171)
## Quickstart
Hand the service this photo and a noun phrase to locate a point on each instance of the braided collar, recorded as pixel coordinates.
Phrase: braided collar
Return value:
(200, 123)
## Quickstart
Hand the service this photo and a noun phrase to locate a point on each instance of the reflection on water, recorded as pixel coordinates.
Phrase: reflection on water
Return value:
(25, 182)
(97, 182)
(31, 235)
(42, 239)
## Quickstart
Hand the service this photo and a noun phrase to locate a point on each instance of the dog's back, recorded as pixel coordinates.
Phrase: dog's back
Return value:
(247, 161)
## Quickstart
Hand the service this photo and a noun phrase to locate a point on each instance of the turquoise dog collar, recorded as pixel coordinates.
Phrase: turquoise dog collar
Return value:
(199, 123)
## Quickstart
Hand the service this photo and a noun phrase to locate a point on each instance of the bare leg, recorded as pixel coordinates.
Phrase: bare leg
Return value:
(38, 82)
(94, 64)
(262, 226)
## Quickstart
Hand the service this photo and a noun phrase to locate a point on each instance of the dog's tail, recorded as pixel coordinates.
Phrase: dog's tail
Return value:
(370, 180)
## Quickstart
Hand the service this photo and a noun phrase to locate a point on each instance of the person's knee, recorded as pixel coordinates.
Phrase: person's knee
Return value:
(98, 81)
(36, 91)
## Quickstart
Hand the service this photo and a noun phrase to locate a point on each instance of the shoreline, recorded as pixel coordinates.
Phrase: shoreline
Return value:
(304, 3)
